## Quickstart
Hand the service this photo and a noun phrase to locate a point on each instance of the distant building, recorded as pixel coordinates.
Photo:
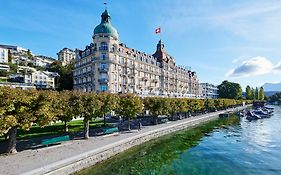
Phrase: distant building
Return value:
(31, 76)
(106, 65)
(208, 90)
(19, 55)
(13, 48)
(23, 86)
(43, 61)
(3, 55)
(42, 79)
(4, 67)
(66, 56)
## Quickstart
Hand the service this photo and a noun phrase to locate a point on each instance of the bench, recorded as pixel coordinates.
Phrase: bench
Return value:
(110, 130)
(55, 140)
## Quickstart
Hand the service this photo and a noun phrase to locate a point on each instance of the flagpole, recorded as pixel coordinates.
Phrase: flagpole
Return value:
(160, 32)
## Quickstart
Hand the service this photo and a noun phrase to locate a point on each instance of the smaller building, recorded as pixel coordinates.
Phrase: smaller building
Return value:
(13, 48)
(4, 67)
(4, 59)
(3, 55)
(20, 56)
(42, 79)
(37, 78)
(43, 61)
(66, 55)
(208, 90)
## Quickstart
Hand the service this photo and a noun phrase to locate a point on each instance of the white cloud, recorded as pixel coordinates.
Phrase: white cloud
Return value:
(251, 67)
(277, 68)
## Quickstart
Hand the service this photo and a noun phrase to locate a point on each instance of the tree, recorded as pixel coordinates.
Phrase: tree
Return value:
(65, 80)
(91, 105)
(230, 90)
(85, 105)
(3, 73)
(15, 112)
(253, 94)
(29, 54)
(13, 68)
(256, 93)
(249, 94)
(209, 104)
(108, 104)
(156, 106)
(44, 107)
(64, 108)
(129, 106)
(275, 97)
(10, 57)
(261, 94)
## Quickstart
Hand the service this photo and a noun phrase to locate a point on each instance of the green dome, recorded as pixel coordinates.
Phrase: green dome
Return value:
(105, 27)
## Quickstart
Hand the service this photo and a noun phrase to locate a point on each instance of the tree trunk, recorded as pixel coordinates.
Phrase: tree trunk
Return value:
(129, 124)
(86, 128)
(12, 140)
(65, 126)
(155, 120)
(104, 120)
(6, 136)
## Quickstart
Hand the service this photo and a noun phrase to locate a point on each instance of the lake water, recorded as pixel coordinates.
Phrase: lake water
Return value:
(242, 148)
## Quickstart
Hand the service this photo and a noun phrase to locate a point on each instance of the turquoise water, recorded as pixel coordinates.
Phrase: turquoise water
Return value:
(242, 148)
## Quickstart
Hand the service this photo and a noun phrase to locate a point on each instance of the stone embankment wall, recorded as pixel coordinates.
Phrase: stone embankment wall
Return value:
(87, 159)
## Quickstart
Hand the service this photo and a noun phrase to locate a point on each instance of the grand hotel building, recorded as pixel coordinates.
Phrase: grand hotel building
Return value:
(111, 66)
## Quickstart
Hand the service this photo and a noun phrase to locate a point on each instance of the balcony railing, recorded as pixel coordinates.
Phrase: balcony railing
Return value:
(103, 69)
(103, 80)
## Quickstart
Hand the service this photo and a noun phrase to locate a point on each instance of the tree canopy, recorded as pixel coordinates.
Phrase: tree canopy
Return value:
(65, 80)
(230, 90)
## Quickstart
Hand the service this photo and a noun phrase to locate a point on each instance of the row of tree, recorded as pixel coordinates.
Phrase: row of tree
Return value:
(23, 109)
(254, 94)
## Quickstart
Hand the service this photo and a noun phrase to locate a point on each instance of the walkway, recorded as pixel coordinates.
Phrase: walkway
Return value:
(41, 160)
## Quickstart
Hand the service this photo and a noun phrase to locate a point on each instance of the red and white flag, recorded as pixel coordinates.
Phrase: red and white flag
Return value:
(158, 30)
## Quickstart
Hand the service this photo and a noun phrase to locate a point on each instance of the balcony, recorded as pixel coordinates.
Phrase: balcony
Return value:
(103, 69)
(103, 80)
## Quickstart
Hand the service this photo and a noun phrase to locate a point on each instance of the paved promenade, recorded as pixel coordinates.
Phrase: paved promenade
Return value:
(47, 159)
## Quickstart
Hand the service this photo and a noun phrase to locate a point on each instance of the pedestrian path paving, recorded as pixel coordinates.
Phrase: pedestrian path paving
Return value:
(34, 161)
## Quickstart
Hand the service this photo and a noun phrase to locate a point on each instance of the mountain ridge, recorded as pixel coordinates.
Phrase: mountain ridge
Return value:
(272, 87)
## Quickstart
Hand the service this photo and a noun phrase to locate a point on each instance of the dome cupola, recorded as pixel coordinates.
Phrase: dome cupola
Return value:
(105, 27)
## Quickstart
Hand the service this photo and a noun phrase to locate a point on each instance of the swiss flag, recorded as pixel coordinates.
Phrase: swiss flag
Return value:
(158, 30)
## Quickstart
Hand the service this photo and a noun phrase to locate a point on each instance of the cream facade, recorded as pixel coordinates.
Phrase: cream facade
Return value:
(66, 56)
(111, 66)
(208, 90)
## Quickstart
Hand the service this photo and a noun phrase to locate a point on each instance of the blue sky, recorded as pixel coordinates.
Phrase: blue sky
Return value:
(235, 40)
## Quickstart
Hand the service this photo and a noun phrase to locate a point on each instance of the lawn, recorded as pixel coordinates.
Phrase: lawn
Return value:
(54, 129)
